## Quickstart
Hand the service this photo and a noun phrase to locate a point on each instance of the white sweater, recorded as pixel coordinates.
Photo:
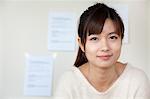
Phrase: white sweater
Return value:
(132, 84)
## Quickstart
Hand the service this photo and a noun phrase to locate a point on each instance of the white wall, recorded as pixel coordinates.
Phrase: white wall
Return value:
(26, 26)
(149, 36)
(1, 23)
(24, 29)
(136, 52)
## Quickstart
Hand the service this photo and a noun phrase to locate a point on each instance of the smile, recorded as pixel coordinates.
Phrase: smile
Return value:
(104, 57)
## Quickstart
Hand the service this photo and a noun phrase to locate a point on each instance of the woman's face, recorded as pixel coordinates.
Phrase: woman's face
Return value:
(103, 50)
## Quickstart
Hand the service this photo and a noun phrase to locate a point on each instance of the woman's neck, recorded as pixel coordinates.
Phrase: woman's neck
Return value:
(102, 78)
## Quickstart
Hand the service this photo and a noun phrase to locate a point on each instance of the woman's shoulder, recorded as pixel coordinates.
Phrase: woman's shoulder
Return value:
(137, 74)
(65, 82)
(139, 81)
(135, 70)
(69, 75)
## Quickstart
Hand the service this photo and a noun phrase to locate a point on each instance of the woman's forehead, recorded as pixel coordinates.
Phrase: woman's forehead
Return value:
(109, 27)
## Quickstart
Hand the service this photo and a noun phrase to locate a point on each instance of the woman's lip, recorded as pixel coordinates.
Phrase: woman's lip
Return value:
(108, 55)
(104, 57)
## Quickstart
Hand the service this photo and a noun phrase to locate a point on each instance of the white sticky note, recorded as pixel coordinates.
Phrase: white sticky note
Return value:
(38, 76)
(61, 31)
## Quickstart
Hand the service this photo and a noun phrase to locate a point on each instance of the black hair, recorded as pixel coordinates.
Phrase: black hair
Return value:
(92, 21)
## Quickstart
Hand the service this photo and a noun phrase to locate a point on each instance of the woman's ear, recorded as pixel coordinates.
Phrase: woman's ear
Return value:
(80, 44)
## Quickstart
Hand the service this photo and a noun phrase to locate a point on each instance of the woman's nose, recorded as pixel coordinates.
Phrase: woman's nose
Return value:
(104, 46)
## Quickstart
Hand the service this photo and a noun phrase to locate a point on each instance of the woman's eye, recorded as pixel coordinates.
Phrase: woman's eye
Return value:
(94, 39)
(113, 37)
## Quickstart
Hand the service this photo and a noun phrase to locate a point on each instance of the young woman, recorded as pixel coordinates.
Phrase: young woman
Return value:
(97, 74)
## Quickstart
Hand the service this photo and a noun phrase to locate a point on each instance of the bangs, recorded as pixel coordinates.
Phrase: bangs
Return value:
(93, 22)
(118, 28)
(97, 20)
(95, 25)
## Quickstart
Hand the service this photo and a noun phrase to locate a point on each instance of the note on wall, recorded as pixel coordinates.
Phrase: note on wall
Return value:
(38, 76)
(61, 31)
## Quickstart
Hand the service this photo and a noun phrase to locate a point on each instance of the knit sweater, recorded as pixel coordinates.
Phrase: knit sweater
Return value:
(131, 84)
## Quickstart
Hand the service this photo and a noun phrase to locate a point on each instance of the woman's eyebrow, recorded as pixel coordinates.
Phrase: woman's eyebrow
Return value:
(112, 33)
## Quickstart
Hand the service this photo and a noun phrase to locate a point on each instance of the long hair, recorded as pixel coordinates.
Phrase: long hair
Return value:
(92, 21)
